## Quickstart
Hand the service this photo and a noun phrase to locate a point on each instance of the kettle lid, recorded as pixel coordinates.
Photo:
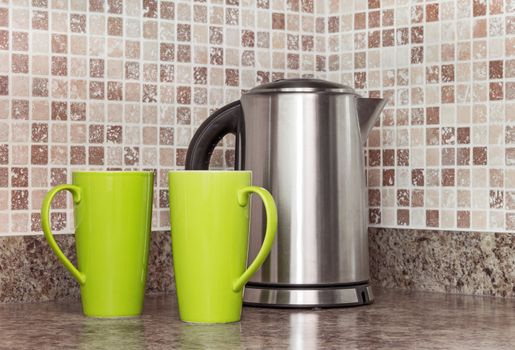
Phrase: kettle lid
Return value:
(302, 85)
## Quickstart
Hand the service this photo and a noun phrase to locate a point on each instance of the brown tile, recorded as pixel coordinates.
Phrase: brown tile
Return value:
(77, 155)
(479, 8)
(447, 94)
(388, 18)
(447, 73)
(388, 157)
(417, 54)
(308, 6)
(115, 6)
(292, 61)
(417, 35)
(308, 42)
(432, 74)
(360, 20)
(166, 73)
(403, 217)
(167, 51)
(96, 155)
(114, 91)
(96, 5)
(39, 155)
(388, 37)
(59, 66)
(4, 85)
(58, 176)
(417, 14)
(77, 23)
(433, 115)
(166, 136)
(4, 40)
(114, 134)
(496, 69)
(463, 156)
(403, 198)
(388, 177)
(463, 135)
(496, 91)
(131, 155)
(96, 68)
(20, 41)
(374, 216)
(374, 157)
(19, 177)
(96, 133)
(77, 111)
(232, 16)
(432, 218)
(432, 136)
(184, 53)
(19, 199)
(374, 19)
(40, 20)
(402, 157)
(432, 12)
(20, 63)
(374, 197)
(417, 177)
(184, 32)
(96, 90)
(149, 93)
(167, 10)
(4, 154)
(247, 38)
(115, 26)
(448, 177)
(20, 109)
(448, 136)
(360, 79)
(39, 87)
(333, 24)
(216, 35)
(4, 17)
(479, 155)
(4, 177)
(59, 110)
(39, 132)
(463, 218)
(278, 21)
(59, 43)
(496, 199)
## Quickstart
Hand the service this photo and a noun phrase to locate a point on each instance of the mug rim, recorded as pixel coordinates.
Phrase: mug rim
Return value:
(112, 172)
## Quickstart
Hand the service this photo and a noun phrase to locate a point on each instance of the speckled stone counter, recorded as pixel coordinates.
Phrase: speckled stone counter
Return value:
(398, 320)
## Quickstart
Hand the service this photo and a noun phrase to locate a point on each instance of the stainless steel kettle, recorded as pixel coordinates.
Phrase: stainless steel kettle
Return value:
(303, 140)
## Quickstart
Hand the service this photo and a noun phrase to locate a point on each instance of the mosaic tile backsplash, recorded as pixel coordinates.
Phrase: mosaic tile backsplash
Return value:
(443, 156)
(123, 85)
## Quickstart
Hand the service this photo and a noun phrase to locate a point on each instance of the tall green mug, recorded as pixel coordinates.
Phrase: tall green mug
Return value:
(113, 215)
(210, 227)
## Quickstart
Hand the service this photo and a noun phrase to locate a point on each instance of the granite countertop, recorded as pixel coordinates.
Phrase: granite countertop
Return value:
(397, 320)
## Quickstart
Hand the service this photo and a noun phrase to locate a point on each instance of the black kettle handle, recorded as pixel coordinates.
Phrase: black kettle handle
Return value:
(224, 121)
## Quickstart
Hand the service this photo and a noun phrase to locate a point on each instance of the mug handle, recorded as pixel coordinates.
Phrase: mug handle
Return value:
(45, 223)
(271, 228)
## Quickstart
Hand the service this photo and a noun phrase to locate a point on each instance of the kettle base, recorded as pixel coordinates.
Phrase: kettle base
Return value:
(307, 297)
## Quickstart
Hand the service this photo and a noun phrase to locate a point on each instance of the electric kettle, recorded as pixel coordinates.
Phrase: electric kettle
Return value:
(303, 140)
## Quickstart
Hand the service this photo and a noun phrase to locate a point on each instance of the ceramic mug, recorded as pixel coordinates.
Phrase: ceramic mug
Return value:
(209, 213)
(113, 215)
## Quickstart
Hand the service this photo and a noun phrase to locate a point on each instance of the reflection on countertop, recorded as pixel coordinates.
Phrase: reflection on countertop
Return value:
(397, 320)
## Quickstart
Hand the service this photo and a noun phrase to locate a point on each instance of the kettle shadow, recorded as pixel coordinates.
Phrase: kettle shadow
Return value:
(112, 334)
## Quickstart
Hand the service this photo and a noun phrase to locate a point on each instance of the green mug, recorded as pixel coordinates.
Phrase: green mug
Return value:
(209, 213)
(113, 215)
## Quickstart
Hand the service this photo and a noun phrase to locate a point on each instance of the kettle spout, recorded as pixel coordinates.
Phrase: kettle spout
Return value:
(369, 110)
